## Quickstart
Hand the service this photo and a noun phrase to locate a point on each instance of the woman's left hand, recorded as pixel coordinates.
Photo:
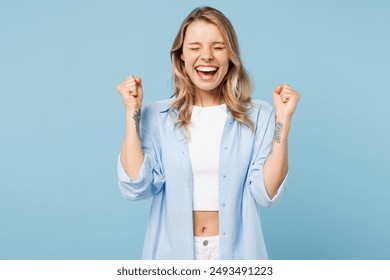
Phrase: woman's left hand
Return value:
(285, 101)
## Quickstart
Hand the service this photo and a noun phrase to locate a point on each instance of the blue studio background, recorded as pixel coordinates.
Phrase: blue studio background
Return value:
(62, 121)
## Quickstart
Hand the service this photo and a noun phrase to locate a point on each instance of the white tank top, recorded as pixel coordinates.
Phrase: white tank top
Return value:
(206, 129)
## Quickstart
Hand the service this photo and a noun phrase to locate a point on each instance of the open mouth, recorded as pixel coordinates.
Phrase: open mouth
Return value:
(206, 72)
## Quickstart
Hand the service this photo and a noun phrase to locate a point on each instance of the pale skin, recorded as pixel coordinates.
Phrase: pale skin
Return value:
(204, 46)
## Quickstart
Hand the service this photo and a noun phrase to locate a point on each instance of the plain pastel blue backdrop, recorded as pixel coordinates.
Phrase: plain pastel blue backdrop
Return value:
(62, 121)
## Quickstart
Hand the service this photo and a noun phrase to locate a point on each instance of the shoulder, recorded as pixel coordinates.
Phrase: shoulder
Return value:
(158, 106)
(260, 108)
(262, 115)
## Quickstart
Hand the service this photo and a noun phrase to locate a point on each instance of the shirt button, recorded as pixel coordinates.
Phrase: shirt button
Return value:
(223, 204)
(223, 176)
(223, 233)
(226, 147)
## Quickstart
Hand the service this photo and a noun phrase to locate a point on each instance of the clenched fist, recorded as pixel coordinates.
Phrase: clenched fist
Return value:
(131, 92)
(285, 101)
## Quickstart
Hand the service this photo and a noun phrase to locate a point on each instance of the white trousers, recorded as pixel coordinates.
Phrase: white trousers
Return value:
(206, 247)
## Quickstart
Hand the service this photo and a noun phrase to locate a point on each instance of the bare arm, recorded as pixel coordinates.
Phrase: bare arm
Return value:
(132, 155)
(276, 164)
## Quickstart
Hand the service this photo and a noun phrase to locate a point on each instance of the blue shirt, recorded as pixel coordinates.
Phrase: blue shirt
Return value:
(166, 176)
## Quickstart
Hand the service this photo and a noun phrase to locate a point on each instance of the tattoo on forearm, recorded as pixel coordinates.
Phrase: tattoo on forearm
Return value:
(277, 132)
(137, 118)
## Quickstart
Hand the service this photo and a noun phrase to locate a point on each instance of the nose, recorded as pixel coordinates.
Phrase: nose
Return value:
(206, 54)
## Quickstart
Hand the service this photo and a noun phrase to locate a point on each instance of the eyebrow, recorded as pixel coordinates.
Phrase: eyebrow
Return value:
(213, 43)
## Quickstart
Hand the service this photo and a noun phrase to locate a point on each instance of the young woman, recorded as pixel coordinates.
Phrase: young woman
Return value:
(208, 156)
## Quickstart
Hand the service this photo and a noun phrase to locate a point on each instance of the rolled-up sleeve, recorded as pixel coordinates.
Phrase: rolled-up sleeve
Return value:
(150, 178)
(263, 142)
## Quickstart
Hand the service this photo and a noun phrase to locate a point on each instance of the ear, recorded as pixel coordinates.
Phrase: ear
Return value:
(182, 57)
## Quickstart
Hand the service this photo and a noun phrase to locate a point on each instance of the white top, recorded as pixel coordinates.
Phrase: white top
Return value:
(206, 129)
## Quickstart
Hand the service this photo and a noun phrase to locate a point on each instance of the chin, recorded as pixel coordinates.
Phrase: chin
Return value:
(207, 85)
(210, 87)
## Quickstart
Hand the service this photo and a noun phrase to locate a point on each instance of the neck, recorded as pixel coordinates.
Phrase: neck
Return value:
(208, 98)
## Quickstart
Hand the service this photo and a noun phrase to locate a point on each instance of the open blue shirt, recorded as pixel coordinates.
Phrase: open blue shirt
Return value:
(166, 176)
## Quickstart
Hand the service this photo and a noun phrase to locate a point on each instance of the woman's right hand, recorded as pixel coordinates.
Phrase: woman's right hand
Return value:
(131, 92)
(132, 155)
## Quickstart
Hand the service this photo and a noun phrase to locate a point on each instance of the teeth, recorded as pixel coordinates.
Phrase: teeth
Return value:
(206, 69)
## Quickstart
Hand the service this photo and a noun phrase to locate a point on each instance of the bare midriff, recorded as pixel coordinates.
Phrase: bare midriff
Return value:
(206, 223)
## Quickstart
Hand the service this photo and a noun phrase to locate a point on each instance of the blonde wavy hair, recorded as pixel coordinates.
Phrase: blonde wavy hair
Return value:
(236, 87)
